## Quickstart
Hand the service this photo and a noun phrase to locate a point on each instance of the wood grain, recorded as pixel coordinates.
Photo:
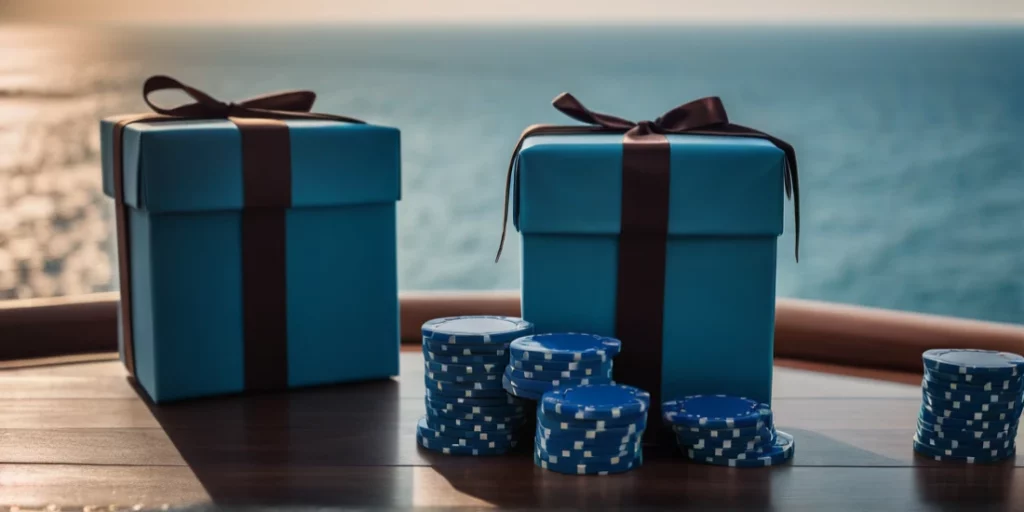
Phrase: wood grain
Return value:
(84, 437)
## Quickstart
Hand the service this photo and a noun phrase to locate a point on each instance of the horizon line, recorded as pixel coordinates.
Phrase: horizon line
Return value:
(710, 23)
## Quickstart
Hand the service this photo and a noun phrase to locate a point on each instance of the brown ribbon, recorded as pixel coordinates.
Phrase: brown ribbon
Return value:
(646, 162)
(266, 168)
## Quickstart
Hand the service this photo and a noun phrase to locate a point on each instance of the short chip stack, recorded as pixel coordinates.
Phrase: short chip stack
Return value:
(971, 405)
(468, 411)
(542, 362)
(727, 431)
(594, 429)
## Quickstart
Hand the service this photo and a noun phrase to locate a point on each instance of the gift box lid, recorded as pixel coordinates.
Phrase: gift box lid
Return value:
(719, 185)
(196, 165)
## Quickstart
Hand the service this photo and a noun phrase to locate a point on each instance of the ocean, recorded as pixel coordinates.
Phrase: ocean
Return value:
(910, 140)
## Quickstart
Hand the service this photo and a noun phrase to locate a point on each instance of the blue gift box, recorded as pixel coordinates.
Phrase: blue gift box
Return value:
(725, 212)
(184, 191)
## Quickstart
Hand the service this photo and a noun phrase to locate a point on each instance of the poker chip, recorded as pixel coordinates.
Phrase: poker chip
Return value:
(446, 447)
(971, 403)
(974, 362)
(781, 451)
(585, 449)
(475, 330)
(697, 433)
(489, 439)
(966, 456)
(716, 411)
(464, 359)
(485, 389)
(446, 424)
(463, 369)
(499, 408)
(542, 386)
(574, 427)
(564, 347)
(596, 401)
(518, 392)
(503, 399)
(765, 437)
(575, 466)
(563, 375)
(473, 417)
(493, 349)
(467, 379)
(593, 366)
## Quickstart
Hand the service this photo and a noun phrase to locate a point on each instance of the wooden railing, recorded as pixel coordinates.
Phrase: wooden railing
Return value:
(806, 330)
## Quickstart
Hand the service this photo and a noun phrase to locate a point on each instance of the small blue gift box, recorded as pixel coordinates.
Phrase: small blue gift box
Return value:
(229, 293)
(709, 246)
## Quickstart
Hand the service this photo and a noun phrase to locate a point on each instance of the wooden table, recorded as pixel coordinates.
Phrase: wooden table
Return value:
(74, 435)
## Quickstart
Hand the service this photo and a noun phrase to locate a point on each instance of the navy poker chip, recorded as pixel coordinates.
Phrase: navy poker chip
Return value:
(492, 389)
(716, 411)
(697, 433)
(995, 380)
(476, 330)
(448, 448)
(764, 435)
(976, 445)
(564, 347)
(612, 437)
(934, 380)
(425, 429)
(459, 425)
(1003, 416)
(968, 456)
(964, 434)
(518, 392)
(596, 401)
(461, 378)
(493, 349)
(542, 386)
(730, 448)
(580, 448)
(495, 408)
(779, 453)
(586, 423)
(969, 406)
(592, 366)
(514, 373)
(577, 429)
(971, 395)
(968, 424)
(463, 369)
(587, 467)
(975, 362)
(500, 399)
(443, 386)
(474, 417)
(467, 360)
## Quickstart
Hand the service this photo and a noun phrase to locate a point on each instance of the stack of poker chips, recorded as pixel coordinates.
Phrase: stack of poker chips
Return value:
(727, 431)
(467, 411)
(971, 404)
(542, 362)
(592, 429)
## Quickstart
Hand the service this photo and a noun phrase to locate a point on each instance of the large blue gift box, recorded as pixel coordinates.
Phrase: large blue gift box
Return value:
(711, 247)
(228, 294)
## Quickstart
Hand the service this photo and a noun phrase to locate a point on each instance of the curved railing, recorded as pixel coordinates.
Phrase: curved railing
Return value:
(805, 330)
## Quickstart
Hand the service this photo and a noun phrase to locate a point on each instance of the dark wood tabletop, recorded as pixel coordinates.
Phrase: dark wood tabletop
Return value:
(77, 435)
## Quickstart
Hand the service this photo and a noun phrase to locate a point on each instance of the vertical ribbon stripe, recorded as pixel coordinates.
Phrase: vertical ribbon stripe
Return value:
(266, 175)
(640, 290)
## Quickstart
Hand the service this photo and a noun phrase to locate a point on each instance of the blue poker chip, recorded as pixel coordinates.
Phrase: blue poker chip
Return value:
(963, 455)
(987, 363)
(454, 398)
(928, 416)
(733, 448)
(581, 430)
(601, 424)
(1005, 416)
(459, 426)
(593, 366)
(596, 401)
(514, 373)
(779, 453)
(464, 369)
(994, 380)
(446, 447)
(941, 402)
(474, 417)
(969, 395)
(979, 445)
(716, 411)
(587, 466)
(458, 390)
(695, 434)
(579, 457)
(943, 382)
(542, 386)
(491, 440)
(474, 359)
(569, 346)
(459, 378)
(491, 349)
(603, 446)
(476, 329)
(522, 393)
(764, 435)
(434, 384)
(500, 407)
(960, 434)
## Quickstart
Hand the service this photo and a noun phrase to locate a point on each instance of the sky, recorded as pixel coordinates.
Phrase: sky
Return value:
(511, 11)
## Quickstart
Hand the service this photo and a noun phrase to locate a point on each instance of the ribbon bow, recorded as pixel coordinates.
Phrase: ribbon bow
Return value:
(279, 105)
(705, 116)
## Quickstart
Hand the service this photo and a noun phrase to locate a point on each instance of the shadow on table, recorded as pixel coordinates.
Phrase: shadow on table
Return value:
(312, 446)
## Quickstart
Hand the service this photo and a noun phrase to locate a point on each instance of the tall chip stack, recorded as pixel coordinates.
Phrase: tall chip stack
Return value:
(467, 410)
(971, 405)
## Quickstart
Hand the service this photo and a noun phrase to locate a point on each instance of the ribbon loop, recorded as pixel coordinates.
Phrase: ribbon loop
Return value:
(278, 105)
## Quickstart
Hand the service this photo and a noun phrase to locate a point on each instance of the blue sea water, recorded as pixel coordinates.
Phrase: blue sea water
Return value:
(910, 140)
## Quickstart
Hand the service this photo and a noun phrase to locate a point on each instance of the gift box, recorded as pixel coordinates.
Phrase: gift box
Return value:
(662, 234)
(257, 246)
